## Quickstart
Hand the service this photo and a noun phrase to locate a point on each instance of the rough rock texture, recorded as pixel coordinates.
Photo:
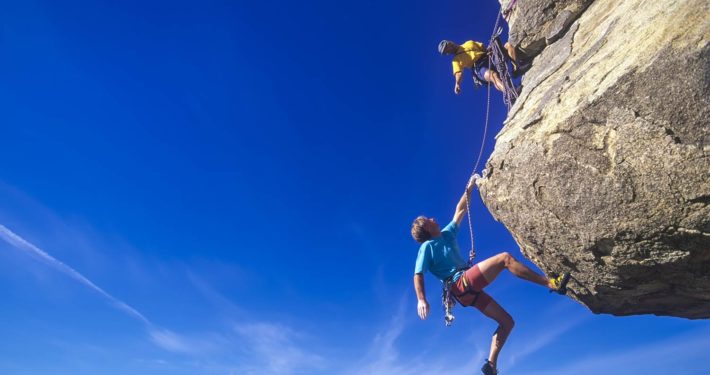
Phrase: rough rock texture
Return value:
(603, 165)
(538, 23)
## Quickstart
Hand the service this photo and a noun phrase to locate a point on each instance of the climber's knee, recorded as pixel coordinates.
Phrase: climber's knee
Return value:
(488, 76)
(508, 323)
(506, 259)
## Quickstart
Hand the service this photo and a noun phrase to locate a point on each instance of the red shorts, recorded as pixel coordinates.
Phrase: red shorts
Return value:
(468, 289)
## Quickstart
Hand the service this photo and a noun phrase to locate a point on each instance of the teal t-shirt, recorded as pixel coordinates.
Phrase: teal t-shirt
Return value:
(441, 255)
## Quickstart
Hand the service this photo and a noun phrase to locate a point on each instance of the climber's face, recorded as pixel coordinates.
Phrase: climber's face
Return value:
(432, 227)
(450, 48)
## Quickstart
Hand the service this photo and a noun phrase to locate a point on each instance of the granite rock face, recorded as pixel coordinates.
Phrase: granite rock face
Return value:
(538, 23)
(603, 165)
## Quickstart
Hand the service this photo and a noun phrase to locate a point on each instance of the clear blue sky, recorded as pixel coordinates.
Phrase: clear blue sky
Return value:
(227, 187)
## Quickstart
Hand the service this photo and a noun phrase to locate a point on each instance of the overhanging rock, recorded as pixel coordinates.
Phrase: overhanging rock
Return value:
(603, 165)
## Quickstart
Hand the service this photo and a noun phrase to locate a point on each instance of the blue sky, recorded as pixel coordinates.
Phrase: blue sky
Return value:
(227, 187)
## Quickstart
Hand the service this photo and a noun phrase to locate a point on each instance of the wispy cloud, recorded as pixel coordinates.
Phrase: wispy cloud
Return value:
(173, 342)
(546, 335)
(686, 354)
(275, 349)
(20, 243)
(384, 357)
(263, 347)
(162, 337)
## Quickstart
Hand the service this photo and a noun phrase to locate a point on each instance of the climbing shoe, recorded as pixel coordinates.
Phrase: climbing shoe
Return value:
(559, 283)
(488, 369)
(521, 68)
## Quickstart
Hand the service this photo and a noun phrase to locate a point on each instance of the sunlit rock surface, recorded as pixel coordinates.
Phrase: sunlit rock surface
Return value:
(538, 23)
(603, 165)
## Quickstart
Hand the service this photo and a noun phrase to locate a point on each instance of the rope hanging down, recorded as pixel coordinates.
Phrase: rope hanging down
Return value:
(474, 176)
(498, 61)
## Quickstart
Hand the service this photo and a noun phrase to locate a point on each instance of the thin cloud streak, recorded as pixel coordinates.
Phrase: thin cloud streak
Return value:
(679, 354)
(20, 243)
(259, 346)
(274, 349)
(383, 357)
(164, 338)
(545, 336)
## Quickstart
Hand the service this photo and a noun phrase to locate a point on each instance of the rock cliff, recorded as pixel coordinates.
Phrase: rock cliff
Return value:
(603, 165)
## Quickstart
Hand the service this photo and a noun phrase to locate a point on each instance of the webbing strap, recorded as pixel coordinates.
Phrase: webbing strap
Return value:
(467, 290)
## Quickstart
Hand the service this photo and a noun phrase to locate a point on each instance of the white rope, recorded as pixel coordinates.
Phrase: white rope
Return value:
(447, 300)
(474, 176)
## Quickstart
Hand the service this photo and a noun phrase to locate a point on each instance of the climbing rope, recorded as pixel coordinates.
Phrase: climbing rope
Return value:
(509, 9)
(474, 176)
(497, 60)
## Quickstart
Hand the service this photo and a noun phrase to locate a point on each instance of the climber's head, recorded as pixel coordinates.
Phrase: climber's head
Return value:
(447, 47)
(424, 229)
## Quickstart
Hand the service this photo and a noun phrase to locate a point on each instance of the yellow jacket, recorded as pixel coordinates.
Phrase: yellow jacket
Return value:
(467, 54)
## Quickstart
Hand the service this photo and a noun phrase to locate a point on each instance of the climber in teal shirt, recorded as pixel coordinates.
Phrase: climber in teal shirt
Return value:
(439, 254)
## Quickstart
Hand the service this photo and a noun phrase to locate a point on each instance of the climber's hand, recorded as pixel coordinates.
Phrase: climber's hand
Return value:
(472, 182)
(423, 308)
(457, 88)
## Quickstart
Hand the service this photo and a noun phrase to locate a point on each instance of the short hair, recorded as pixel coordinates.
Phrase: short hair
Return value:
(418, 232)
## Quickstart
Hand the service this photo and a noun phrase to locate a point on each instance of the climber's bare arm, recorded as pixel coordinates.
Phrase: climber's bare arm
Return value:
(422, 304)
(462, 207)
(457, 86)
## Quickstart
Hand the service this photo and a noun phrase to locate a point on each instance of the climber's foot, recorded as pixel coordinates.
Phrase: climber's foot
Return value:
(488, 368)
(520, 68)
(559, 284)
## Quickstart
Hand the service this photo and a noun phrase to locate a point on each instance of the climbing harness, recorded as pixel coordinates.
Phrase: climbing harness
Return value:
(449, 298)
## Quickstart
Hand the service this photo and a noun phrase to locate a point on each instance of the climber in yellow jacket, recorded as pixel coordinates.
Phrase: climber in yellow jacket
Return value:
(473, 55)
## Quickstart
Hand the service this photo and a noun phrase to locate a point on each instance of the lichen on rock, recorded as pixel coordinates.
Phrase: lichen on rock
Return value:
(603, 165)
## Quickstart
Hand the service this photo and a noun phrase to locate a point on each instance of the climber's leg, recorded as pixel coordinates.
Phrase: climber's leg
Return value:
(512, 55)
(491, 267)
(520, 62)
(492, 77)
(469, 289)
(505, 325)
